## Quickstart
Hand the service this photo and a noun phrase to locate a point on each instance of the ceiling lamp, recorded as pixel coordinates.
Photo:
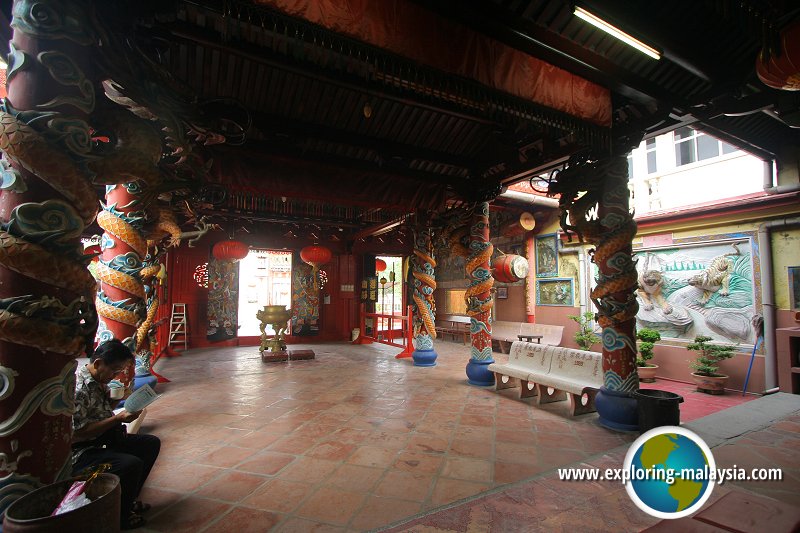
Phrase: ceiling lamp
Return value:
(781, 69)
(230, 250)
(380, 265)
(316, 256)
(601, 24)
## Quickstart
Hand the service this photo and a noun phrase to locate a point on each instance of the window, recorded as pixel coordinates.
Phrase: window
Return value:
(630, 166)
(692, 145)
(650, 150)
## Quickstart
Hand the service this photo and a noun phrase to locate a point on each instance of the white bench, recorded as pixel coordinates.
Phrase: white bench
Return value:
(504, 333)
(525, 358)
(574, 373)
(550, 334)
(553, 373)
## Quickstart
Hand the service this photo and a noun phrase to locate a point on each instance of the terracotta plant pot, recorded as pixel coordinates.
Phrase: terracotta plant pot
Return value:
(710, 384)
(647, 374)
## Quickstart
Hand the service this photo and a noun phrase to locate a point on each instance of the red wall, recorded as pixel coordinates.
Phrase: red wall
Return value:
(337, 318)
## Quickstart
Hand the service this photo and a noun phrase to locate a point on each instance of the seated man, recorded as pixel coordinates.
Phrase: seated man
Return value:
(99, 436)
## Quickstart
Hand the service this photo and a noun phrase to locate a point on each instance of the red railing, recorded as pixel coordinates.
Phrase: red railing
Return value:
(394, 330)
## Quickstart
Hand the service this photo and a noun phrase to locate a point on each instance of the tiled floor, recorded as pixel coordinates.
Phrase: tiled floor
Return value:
(350, 441)
(546, 503)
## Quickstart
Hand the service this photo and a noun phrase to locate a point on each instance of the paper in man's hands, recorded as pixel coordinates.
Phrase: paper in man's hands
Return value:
(141, 398)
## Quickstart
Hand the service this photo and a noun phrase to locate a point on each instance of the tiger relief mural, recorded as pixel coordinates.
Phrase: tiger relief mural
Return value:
(695, 290)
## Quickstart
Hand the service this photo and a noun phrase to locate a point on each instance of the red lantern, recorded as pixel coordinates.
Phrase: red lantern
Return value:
(316, 256)
(230, 250)
(380, 265)
(782, 70)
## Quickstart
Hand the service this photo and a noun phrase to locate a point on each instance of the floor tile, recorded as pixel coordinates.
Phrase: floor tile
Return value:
(279, 495)
(231, 486)
(245, 520)
(187, 516)
(331, 505)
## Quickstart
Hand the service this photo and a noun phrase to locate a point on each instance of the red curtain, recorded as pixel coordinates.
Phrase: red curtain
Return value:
(416, 33)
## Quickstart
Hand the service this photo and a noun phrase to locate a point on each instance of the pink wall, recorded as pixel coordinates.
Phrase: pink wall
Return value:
(557, 316)
(513, 307)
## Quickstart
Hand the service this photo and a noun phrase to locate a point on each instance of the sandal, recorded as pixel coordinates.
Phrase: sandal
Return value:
(134, 521)
(140, 507)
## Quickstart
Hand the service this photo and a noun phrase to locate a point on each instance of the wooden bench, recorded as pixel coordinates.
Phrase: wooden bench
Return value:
(553, 374)
(454, 326)
(525, 358)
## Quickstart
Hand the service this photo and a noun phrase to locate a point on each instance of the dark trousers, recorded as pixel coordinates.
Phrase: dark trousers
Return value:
(131, 460)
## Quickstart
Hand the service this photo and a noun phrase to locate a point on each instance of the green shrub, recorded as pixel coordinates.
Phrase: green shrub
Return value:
(647, 339)
(708, 356)
(585, 337)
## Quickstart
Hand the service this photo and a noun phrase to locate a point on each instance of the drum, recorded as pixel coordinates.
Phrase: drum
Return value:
(509, 268)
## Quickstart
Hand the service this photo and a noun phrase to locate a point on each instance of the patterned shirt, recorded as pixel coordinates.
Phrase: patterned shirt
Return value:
(92, 403)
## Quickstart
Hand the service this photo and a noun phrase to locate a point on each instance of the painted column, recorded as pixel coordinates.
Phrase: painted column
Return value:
(46, 315)
(479, 297)
(615, 299)
(424, 308)
(530, 279)
(120, 300)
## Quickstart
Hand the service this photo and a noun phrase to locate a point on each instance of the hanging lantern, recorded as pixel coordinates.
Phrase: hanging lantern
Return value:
(380, 265)
(316, 256)
(781, 69)
(230, 250)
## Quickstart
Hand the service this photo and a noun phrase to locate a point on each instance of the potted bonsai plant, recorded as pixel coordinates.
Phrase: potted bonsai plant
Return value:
(706, 364)
(645, 369)
(585, 337)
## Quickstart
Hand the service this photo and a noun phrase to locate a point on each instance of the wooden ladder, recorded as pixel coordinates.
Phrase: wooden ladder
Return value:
(178, 326)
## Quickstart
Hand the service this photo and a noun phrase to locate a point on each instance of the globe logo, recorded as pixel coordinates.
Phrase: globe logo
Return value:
(670, 472)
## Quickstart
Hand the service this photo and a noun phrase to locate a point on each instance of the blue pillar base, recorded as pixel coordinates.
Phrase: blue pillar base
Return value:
(478, 372)
(424, 357)
(617, 410)
(146, 379)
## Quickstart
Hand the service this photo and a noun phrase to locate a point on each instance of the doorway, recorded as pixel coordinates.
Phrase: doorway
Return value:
(265, 278)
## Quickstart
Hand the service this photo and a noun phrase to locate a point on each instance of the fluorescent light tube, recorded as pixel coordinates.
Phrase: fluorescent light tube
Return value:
(597, 22)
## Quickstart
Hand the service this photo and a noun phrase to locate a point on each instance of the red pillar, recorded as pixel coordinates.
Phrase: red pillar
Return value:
(46, 318)
(120, 301)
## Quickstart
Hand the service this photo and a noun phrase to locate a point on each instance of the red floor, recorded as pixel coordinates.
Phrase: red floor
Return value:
(698, 404)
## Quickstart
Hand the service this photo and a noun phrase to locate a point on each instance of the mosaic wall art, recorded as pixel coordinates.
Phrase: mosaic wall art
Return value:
(555, 291)
(305, 301)
(547, 256)
(223, 299)
(704, 289)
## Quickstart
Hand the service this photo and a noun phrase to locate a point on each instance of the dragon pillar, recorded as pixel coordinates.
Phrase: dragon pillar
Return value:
(46, 199)
(120, 300)
(615, 299)
(424, 308)
(479, 297)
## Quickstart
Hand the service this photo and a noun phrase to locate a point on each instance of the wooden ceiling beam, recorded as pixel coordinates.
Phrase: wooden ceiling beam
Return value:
(210, 39)
(385, 148)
